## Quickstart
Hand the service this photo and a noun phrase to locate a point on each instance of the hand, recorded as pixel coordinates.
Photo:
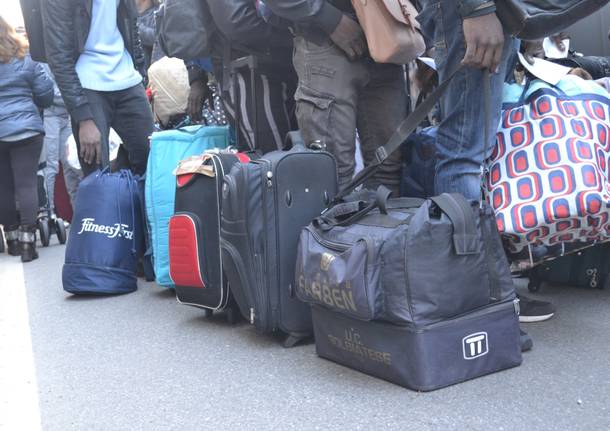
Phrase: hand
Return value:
(198, 93)
(484, 42)
(558, 39)
(533, 49)
(90, 141)
(350, 38)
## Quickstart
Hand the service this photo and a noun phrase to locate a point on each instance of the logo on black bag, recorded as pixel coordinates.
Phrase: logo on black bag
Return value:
(352, 343)
(326, 261)
(114, 231)
(475, 345)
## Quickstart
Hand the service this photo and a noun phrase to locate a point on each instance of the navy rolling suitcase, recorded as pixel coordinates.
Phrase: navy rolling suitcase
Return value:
(265, 204)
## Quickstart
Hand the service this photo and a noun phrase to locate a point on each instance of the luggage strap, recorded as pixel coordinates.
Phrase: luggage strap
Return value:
(410, 124)
(456, 207)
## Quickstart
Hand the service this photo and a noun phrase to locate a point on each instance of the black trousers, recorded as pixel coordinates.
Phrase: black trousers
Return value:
(18, 182)
(128, 113)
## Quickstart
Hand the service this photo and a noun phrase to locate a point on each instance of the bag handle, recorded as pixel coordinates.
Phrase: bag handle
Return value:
(356, 210)
(408, 126)
(456, 207)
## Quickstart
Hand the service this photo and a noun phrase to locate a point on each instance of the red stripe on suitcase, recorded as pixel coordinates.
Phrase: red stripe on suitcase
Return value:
(184, 267)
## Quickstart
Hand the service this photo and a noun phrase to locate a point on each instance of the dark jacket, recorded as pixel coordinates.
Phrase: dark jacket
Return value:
(240, 31)
(67, 24)
(148, 38)
(25, 89)
(325, 14)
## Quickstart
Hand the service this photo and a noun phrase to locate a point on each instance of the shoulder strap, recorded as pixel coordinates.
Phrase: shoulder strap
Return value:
(408, 126)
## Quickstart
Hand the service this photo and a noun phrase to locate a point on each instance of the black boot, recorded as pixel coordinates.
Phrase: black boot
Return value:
(12, 242)
(27, 240)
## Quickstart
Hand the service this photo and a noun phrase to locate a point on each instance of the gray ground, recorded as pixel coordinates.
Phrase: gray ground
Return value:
(144, 362)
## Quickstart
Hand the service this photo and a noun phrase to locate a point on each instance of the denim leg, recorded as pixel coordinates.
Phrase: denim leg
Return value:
(461, 134)
(52, 127)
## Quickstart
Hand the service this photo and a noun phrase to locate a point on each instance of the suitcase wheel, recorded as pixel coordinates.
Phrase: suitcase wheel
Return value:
(44, 230)
(232, 316)
(534, 285)
(60, 230)
(208, 313)
(294, 339)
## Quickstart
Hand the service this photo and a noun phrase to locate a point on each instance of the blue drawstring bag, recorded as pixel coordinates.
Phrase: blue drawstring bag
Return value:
(106, 235)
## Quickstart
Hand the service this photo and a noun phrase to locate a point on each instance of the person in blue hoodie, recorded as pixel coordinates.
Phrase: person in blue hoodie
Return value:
(25, 89)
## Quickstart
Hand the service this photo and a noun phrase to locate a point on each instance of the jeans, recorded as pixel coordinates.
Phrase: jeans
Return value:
(18, 182)
(128, 113)
(335, 97)
(57, 131)
(461, 134)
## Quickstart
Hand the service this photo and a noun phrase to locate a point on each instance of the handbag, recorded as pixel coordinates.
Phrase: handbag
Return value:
(535, 19)
(548, 174)
(392, 33)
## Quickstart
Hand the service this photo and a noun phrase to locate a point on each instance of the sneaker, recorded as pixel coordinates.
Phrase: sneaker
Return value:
(533, 310)
(526, 341)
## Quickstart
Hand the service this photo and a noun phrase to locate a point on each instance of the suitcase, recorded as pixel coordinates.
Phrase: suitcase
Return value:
(587, 268)
(265, 204)
(194, 235)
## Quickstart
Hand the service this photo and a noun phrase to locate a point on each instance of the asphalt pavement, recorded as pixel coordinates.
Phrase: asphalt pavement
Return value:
(144, 362)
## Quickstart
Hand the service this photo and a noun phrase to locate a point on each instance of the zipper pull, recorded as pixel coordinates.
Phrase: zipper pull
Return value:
(517, 306)
(269, 179)
(252, 316)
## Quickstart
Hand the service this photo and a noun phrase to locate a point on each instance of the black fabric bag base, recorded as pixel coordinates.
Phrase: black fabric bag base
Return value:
(423, 358)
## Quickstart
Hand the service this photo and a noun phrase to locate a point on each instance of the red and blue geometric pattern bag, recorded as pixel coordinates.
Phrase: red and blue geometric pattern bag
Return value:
(548, 176)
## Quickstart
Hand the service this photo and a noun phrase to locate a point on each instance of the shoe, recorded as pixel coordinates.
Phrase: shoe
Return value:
(12, 242)
(533, 310)
(27, 241)
(526, 341)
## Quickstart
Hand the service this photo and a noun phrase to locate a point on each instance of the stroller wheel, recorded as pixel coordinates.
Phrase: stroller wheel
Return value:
(60, 229)
(45, 231)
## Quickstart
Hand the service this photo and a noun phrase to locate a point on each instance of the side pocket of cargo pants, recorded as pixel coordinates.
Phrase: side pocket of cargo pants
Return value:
(313, 111)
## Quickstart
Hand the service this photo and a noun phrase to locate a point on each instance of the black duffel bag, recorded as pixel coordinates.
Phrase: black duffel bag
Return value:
(414, 291)
(535, 19)
(404, 261)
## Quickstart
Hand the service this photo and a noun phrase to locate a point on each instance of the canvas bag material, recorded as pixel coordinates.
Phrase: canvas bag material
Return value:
(536, 19)
(548, 174)
(184, 29)
(106, 240)
(391, 30)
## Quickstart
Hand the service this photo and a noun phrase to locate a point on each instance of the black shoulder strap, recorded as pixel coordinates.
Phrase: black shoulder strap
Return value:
(408, 126)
